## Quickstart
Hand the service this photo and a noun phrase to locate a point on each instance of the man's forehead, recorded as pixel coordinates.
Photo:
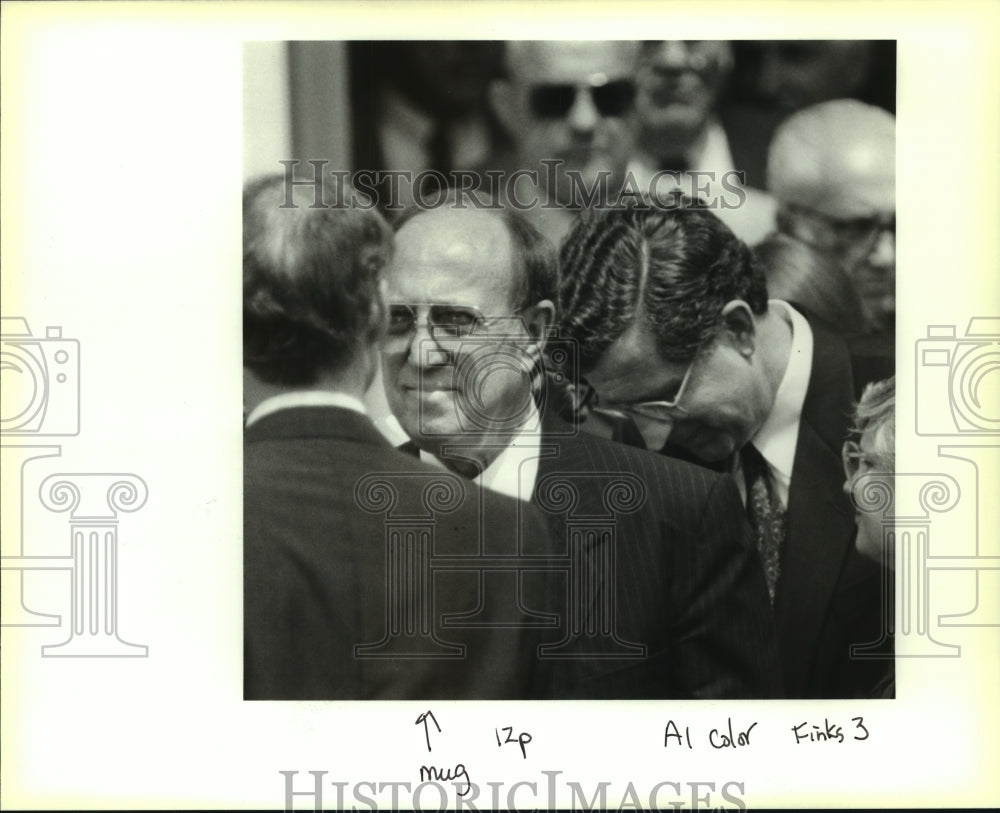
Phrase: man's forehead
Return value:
(838, 158)
(632, 369)
(571, 61)
(445, 248)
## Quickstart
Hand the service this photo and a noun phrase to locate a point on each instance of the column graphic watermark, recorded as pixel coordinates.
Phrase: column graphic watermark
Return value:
(957, 400)
(41, 400)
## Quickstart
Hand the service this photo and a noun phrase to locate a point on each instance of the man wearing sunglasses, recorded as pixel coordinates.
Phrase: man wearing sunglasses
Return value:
(326, 498)
(832, 169)
(675, 329)
(672, 602)
(568, 103)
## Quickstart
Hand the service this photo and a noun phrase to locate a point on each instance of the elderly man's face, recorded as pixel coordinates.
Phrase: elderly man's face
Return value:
(833, 169)
(678, 82)
(862, 240)
(450, 268)
(570, 101)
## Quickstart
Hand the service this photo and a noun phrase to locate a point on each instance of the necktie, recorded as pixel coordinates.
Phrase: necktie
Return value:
(766, 513)
(675, 163)
(439, 148)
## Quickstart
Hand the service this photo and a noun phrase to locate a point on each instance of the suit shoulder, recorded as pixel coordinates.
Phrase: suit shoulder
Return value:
(608, 455)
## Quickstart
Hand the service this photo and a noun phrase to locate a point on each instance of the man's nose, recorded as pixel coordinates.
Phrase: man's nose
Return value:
(883, 252)
(672, 55)
(423, 350)
(583, 115)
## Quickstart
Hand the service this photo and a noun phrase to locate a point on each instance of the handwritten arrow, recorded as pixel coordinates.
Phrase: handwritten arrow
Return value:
(423, 719)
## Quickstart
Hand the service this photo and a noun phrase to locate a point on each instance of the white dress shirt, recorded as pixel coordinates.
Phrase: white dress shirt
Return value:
(303, 398)
(751, 221)
(514, 471)
(777, 439)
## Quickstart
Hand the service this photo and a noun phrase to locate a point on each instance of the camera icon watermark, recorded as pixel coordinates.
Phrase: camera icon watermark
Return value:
(40, 381)
(958, 379)
(41, 399)
(497, 380)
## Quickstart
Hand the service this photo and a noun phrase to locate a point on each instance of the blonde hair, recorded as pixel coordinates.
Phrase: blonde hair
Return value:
(876, 413)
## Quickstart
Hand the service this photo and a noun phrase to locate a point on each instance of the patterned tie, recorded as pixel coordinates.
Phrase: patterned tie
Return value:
(766, 513)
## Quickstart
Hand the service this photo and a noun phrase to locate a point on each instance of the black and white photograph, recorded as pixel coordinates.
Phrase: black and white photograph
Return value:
(441, 405)
(618, 300)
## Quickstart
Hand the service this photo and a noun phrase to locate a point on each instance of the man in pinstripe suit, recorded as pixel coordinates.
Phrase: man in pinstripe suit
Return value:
(661, 592)
(676, 331)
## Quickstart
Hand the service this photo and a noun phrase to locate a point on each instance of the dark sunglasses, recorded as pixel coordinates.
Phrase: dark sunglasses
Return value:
(556, 100)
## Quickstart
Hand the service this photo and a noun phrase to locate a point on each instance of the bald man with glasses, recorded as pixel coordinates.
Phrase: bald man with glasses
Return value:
(658, 590)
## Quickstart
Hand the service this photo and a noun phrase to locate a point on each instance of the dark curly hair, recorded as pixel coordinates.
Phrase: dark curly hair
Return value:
(671, 263)
(310, 280)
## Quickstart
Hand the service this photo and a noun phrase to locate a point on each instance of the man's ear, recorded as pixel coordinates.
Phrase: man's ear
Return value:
(538, 318)
(740, 327)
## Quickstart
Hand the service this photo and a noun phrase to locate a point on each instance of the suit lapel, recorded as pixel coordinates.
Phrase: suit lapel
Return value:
(818, 540)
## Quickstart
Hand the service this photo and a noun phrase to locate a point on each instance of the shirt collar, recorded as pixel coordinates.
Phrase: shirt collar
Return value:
(402, 115)
(303, 398)
(777, 438)
(392, 430)
(713, 155)
(514, 471)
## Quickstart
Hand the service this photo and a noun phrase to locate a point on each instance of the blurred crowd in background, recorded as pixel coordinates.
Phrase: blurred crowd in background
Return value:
(790, 143)
(723, 294)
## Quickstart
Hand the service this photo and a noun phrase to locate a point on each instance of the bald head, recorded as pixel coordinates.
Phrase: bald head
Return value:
(832, 168)
(837, 158)
(448, 251)
(569, 61)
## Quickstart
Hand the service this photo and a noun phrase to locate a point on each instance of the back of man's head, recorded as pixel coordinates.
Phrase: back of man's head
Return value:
(311, 280)
(837, 158)
(673, 266)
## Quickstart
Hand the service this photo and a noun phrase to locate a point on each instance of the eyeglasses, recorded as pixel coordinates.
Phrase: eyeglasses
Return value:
(554, 101)
(829, 232)
(853, 458)
(446, 322)
(443, 321)
(662, 411)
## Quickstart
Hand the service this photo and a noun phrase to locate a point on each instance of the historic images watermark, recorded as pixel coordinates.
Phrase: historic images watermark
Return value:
(395, 190)
(41, 399)
(547, 792)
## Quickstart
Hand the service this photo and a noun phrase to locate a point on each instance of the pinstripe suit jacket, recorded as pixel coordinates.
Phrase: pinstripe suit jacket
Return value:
(315, 569)
(668, 598)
